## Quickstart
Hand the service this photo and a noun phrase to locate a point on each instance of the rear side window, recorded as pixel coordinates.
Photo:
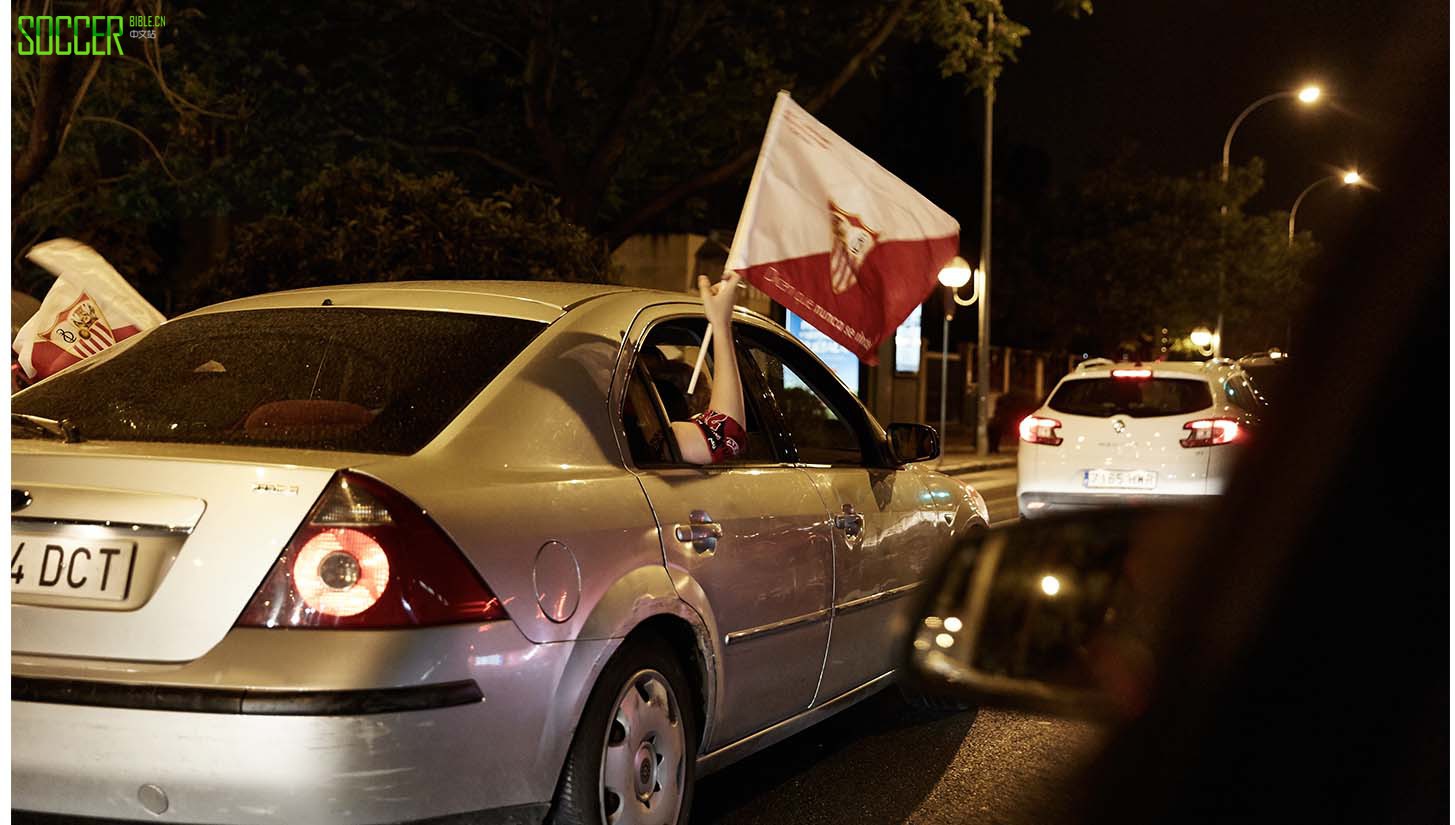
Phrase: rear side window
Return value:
(1137, 398)
(1267, 379)
(336, 378)
(1241, 393)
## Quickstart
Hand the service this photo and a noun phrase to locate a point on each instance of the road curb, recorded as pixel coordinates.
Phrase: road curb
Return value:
(977, 466)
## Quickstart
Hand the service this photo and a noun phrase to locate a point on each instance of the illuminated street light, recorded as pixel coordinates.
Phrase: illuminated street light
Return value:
(1050, 585)
(1204, 339)
(1308, 95)
(956, 274)
(1349, 178)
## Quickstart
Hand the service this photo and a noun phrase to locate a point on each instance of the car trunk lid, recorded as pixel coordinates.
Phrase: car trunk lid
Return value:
(149, 552)
(1123, 432)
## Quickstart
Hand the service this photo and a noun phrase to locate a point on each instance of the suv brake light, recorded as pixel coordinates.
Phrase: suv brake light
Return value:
(367, 557)
(1134, 375)
(1036, 430)
(1209, 432)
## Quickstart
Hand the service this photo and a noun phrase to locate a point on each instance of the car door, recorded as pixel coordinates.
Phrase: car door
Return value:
(762, 563)
(886, 533)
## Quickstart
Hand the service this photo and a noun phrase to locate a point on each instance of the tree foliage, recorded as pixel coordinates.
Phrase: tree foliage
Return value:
(366, 221)
(627, 114)
(1130, 252)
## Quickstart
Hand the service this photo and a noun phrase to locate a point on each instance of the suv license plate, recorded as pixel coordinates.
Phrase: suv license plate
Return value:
(1120, 479)
(65, 567)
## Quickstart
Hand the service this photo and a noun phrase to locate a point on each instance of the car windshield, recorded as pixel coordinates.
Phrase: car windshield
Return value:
(1138, 398)
(360, 380)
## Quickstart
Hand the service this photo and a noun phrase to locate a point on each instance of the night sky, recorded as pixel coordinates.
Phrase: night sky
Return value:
(1169, 77)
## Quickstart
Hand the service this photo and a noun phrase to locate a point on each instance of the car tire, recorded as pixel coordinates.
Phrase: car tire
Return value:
(639, 722)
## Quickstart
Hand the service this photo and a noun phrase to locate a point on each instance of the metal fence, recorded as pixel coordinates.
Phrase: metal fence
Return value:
(1021, 376)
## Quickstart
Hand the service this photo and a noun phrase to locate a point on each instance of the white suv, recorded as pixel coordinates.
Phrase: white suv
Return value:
(1118, 433)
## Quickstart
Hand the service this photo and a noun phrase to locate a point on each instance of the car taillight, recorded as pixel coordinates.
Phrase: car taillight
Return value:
(1036, 430)
(1208, 432)
(367, 557)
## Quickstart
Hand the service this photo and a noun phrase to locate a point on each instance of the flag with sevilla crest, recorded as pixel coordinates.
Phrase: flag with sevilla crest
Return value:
(89, 308)
(836, 238)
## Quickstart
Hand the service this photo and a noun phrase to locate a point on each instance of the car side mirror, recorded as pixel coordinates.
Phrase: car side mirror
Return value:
(914, 442)
(1048, 615)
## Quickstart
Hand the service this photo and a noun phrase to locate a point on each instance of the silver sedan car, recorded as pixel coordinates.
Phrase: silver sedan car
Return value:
(416, 551)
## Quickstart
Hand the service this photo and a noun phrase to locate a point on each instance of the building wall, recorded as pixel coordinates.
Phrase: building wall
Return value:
(658, 261)
(673, 262)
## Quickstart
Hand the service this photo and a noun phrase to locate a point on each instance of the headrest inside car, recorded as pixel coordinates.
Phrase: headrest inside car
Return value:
(307, 418)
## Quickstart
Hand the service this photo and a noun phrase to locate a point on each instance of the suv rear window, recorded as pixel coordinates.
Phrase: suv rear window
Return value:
(337, 378)
(1144, 398)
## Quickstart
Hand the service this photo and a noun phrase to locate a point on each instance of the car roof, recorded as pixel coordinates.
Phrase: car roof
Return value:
(1259, 359)
(543, 301)
(534, 300)
(1103, 367)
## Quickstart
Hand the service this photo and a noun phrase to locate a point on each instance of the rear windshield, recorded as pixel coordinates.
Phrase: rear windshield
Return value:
(1137, 398)
(337, 378)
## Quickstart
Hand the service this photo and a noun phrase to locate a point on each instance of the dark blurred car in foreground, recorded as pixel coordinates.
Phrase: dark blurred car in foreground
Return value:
(1282, 657)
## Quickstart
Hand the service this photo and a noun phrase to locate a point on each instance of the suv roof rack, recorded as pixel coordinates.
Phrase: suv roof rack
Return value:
(1094, 362)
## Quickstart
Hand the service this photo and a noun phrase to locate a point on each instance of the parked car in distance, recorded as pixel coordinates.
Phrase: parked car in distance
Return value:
(383, 553)
(1114, 433)
(1268, 371)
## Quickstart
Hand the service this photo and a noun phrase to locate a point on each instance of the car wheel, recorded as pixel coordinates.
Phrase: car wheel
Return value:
(633, 757)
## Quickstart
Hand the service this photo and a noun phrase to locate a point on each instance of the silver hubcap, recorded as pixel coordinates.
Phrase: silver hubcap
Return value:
(644, 760)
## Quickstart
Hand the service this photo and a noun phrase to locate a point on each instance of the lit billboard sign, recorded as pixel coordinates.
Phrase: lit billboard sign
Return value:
(906, 343)
(844, 363)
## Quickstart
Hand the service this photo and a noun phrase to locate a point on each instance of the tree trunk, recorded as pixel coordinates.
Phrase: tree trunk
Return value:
(63, 84)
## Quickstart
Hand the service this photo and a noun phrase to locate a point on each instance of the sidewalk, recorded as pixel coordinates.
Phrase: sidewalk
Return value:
(961, 458)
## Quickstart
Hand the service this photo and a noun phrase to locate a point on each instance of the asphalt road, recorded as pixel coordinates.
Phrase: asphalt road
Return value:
(883, 762)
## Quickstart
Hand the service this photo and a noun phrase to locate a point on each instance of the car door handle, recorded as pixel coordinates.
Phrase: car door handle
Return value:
(851, 522)
(701, 531)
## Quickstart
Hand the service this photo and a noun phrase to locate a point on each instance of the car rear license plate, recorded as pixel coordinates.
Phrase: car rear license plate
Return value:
(98, 570)
(1120, 479)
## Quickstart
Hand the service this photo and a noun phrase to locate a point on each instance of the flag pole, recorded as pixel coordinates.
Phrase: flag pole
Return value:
(745, 219)
(701, 355)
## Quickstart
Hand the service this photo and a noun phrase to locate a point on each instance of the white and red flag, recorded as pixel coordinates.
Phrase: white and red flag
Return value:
(89, 308)
(834, 237)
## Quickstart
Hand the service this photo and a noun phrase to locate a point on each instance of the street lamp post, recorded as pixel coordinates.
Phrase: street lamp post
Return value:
(1308, 96)
(955, 275)
(982, 349)
(1349, 178)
